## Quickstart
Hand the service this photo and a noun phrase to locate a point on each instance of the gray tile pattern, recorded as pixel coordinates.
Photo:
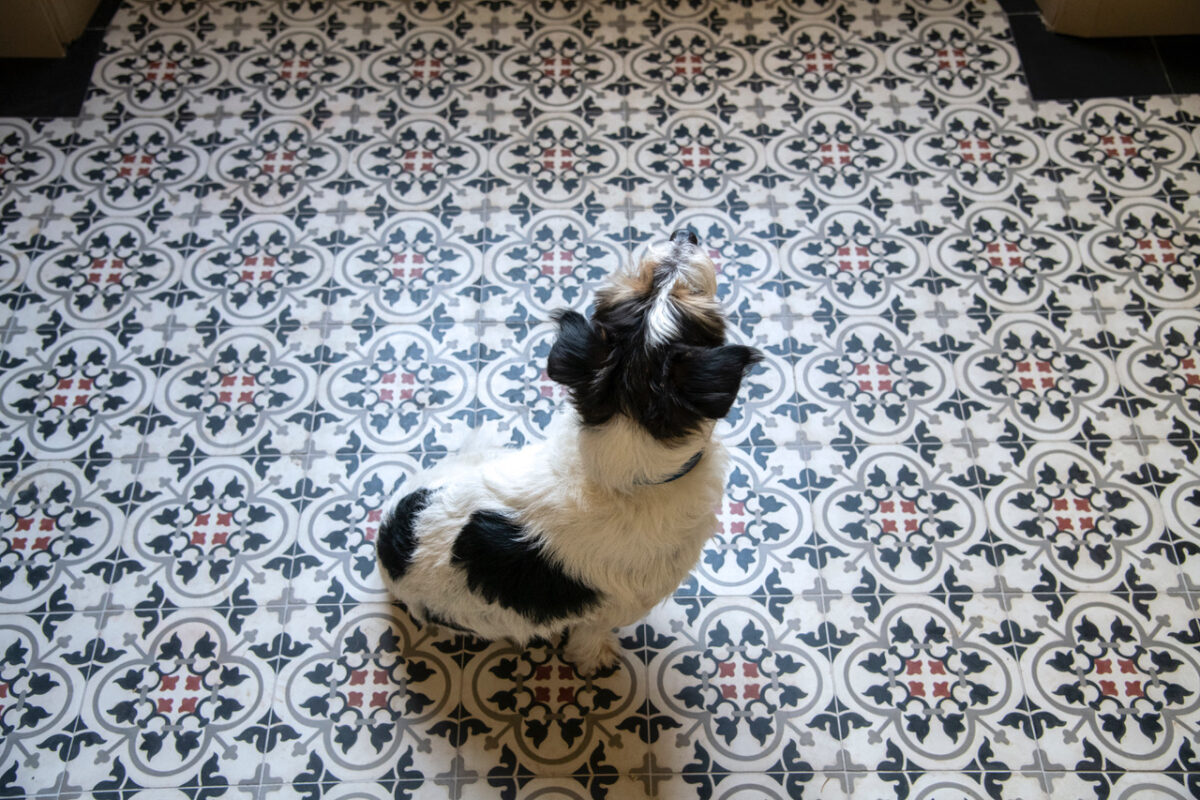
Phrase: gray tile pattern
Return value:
(294, 252)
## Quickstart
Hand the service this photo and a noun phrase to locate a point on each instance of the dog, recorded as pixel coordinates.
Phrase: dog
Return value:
(590, 529)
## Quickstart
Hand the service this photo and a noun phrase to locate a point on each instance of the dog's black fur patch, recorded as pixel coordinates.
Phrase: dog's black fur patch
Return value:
(609, 367)
(395, 542)
(508, 569)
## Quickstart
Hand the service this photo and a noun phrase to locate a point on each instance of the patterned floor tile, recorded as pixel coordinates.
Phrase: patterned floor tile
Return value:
(522, 708)
(290, 254)
(1115, 677)
(1141, 784)
(1062, 517)
(180, 698)
(933, 785)
(849, 260)
(219, 530)
(777, 784)
(872, 378)
(327, 785)
(1180, 541)
(1034, 376)
(342, 503)
(363, 694)
(770, 390)
(578, 787)
(737, 684)
(396, 388)
(927, 681)
(557, 261)
(47, 657)
(765, 545)
(74, 391)
(217, 390)
(893, 522)
(515, 394)
(63, 523)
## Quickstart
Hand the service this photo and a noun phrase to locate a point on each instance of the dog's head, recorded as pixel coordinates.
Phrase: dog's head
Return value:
(655, 347)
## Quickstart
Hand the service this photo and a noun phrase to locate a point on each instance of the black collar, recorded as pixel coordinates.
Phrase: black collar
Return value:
(688, 466)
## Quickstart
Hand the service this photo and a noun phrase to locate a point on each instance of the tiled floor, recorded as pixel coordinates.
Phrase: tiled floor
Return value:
(294, 252)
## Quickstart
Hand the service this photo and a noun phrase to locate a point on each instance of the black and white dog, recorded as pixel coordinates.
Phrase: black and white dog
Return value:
(592, 527)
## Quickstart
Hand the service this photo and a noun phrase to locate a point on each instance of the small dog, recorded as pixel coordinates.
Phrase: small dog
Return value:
(591, 528)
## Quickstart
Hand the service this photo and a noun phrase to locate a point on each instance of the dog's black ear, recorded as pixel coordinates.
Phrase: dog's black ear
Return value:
(571, 360)
(708, 378)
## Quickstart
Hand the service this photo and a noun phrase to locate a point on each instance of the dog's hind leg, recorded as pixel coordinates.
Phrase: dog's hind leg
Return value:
(592, 647)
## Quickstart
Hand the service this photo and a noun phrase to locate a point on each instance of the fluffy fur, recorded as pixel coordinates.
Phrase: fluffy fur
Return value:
(589, 529)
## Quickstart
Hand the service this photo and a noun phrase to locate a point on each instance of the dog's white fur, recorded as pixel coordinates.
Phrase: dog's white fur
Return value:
(698, 278)
(593, 497)
(580, 492)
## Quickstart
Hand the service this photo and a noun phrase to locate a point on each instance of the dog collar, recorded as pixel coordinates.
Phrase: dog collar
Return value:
(688, 466)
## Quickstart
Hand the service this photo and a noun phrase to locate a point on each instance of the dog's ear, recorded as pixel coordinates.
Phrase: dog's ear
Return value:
(707, 379)
(571, 360)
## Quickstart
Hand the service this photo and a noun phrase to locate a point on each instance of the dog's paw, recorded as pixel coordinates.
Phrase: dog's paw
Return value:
(592, 653)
